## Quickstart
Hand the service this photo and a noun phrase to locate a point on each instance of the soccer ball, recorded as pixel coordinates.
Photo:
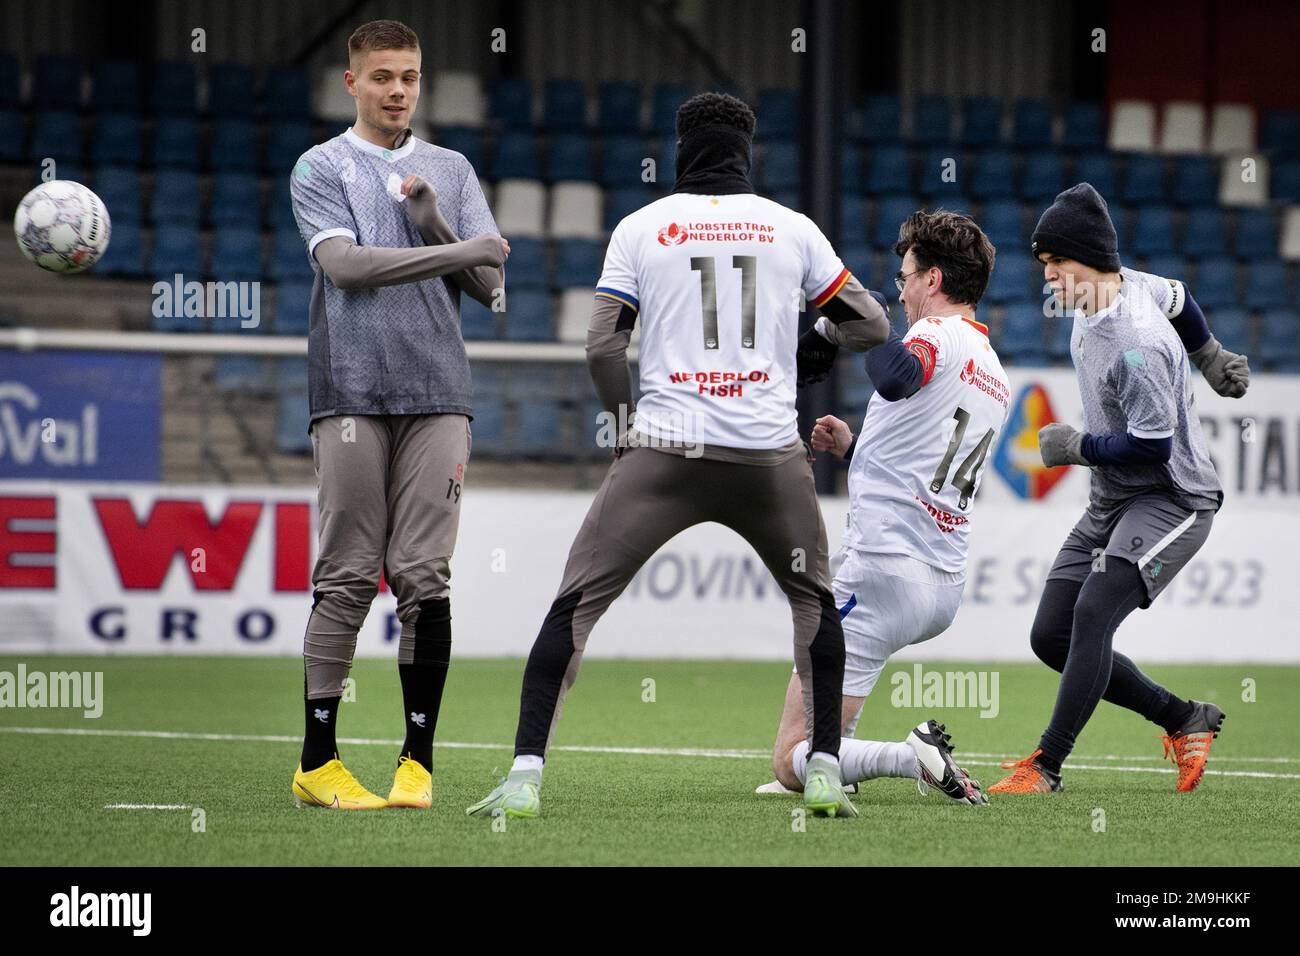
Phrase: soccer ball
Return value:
(62, 226)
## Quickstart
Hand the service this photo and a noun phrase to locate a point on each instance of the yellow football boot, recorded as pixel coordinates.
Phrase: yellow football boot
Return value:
(412, 786)
(334, 787)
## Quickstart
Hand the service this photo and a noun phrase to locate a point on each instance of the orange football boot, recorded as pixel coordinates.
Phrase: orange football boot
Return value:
(1029, 777)
(1189, 748)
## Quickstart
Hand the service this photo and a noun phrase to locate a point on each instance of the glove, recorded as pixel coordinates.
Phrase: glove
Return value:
(1226, 372)
(1061, 445)
(814, 358)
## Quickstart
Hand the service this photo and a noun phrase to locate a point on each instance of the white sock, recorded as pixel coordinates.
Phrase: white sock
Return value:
(867, 759)
(527, 762)
(800, 760)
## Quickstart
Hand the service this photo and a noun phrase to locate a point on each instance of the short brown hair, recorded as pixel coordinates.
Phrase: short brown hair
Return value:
(956, 244)
(382, 35)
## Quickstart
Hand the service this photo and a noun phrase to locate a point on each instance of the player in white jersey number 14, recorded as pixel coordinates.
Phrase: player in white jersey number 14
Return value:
(940, 403)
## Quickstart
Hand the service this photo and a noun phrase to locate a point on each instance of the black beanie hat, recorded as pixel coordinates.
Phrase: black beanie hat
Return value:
(1077, 225)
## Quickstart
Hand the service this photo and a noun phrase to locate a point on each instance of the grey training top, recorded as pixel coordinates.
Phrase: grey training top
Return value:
(1134, 377)
(395, 350)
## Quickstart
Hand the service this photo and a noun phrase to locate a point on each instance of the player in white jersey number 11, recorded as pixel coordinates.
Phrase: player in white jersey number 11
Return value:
(940, 403)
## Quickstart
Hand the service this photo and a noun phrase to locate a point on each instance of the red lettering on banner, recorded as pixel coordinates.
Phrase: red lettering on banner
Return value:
(142, 553)
(26, 542)
(292, 546)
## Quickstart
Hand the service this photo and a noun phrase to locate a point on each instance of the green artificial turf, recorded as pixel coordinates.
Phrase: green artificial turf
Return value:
(622, 808)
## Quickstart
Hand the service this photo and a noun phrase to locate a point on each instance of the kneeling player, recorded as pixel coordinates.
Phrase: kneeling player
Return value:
(941, 401)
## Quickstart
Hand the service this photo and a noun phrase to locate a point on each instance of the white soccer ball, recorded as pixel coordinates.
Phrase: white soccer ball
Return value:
(62, 226)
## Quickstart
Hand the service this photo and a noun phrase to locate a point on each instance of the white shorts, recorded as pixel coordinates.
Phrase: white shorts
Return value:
(886, 602)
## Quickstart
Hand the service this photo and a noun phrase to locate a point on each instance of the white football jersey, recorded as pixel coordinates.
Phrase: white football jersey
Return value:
(919, 461)
(718, 283)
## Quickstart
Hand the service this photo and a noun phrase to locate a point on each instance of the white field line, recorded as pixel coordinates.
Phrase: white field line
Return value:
(147, 806)
(737, 753)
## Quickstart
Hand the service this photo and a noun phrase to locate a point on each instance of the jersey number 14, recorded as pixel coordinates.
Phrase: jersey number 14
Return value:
(968, 472)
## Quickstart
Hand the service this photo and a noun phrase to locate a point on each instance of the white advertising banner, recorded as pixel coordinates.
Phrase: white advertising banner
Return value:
(90, 567)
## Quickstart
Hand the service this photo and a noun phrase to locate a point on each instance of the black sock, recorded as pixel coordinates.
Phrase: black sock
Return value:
(423, 679)
(1049, 763)
(319, 746)
(1174, 714)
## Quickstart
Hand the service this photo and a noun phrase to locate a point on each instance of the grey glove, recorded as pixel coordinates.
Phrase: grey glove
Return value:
(1226, 372)
(1061, 445)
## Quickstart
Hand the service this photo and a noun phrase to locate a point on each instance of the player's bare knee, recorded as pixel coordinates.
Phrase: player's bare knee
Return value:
(783, 766)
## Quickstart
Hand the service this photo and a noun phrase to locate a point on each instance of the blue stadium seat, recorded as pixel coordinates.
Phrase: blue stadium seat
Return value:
(890, 213)
(620, 163)
(1058, 338)
(125, 253)
(526, 268)
(1010, 281)
(173, 90)
(290, 375)
(176, 249)
(789, 198)
(931, 176)
(853, 221)
(578, 262)
(292, 416)
(1170, 267)
(1286, 181)
(1266, 286)
(1003, 223)
(287, 261)
(1206, 233)
(1153, 232)
(881, 118)
(778, 114)
(538, 428)
(981, 121)
(56, 135)
(1023, 333)
(489, 426)
(1144, 179)
(234, 145)
(119, 188)
(287, 93)
(280, 210)
(1098, 169)
(289, 139)
(63, 170)
(1085, 126)
(1196, 181)
(622, 202)
(11, 135)
(176, 142)
(859, 259)
(292, 308)
(889, 170)
(1280, 132)
(851, 178)
(1280, 342)
(516, 156)
(231, 91)
(1033, 123)
(994, 175)
(565, 105)
(56, 82)
(510, 102)
(240, 373)
(620, 107)
(235, 200)
(779, 168)
(116, 87)
(464, 140)
(1216, 283)
(663, 112)
(932, 120)
(236, 254)
(528, 317)
(1256, 236)
(666, 162)
(1044, 176)
(1232, 328)
(477, 321)
(175, 197)
(10, 86)
(117, 140)
(570, 158)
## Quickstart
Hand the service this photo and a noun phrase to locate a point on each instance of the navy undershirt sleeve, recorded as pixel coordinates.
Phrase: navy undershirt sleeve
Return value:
(1191, 325)
(895, 372)
(1126, 449)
